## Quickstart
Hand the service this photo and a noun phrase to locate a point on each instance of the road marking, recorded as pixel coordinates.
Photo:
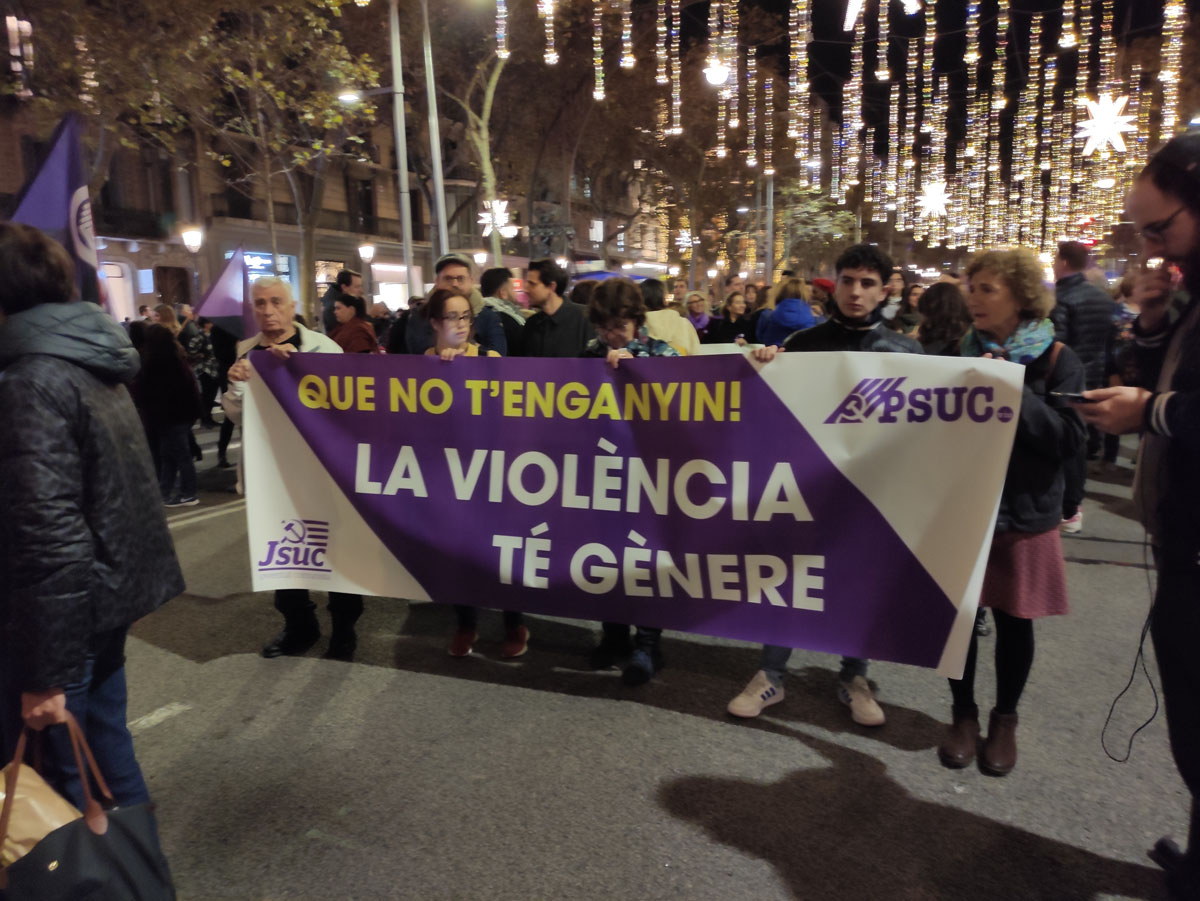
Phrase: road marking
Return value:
(186, 519)
(154, 717)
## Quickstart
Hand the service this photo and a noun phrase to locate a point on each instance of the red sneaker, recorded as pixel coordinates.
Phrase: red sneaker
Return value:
(460, 644)
(516, 642)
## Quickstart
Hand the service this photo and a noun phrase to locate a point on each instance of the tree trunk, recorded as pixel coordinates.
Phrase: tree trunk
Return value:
(307, 210)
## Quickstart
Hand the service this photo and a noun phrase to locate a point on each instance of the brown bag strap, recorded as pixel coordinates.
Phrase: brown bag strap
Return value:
(10, 784)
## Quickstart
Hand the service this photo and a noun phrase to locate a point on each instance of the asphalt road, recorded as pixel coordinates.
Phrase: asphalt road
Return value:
(410, 774)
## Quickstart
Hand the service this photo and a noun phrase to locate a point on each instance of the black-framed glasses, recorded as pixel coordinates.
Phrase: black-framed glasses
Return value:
(461, 317)
(1156, 230)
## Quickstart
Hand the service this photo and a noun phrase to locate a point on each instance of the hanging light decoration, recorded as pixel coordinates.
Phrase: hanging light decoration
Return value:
(853, 10)
(628, 60)
(969, 162)
(598, 49)
(1172, 55)
(664, 50)
(994, 190)
(1068, 40)
(1046, 151)
(769, 127)
(673, 63)
(800, 34)
(852, 106)
(502, 29)
(547, 10)
(1025, 142)
(733, 59)
(722, 151)
(882, 72)
(892, 183)
(875, 178)
(752, 108)
(906, 191)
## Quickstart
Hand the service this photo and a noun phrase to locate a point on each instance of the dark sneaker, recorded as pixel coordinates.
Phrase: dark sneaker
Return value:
(643, 664)
(291, 642)
(610, 652)
(183, 502)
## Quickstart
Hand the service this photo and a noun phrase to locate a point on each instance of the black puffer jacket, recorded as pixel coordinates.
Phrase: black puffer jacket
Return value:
(1049, 433)
(1083, 320)
(84, 546)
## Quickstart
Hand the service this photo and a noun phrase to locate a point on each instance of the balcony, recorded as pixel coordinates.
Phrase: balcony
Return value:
(237, 207)
(128, 223)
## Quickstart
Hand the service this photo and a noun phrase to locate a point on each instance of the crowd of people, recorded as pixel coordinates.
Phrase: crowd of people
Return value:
(89, 465)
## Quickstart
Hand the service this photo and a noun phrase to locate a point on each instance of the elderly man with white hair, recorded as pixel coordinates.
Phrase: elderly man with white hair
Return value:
(275, 313)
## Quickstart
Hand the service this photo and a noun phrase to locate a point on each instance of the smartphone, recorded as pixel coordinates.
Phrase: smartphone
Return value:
(1073, 398)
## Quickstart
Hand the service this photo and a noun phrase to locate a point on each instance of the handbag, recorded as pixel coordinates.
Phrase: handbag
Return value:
(105, 854)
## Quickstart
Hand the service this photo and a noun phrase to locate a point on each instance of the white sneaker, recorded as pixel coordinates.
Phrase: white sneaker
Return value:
(1073, 525)
(759, 694)
(857, 695)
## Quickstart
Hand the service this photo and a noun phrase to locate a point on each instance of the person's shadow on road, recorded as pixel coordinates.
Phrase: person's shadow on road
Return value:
(849, 831)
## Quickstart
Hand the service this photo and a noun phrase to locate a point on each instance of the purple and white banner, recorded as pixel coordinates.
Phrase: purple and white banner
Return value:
(836, 502)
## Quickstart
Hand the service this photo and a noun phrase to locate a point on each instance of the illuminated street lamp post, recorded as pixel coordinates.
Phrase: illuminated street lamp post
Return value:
(193, 239)
(366, 253)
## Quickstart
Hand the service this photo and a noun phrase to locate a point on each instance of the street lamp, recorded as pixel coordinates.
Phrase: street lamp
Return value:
(480, 257)
(193, 238)
(366, 253)
(716, 72)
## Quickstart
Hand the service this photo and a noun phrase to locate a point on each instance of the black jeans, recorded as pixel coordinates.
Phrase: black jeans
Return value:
(1175, 628)
(297, 608)
(1075, 474)
(224, 438)
(208, 396)
(175, 460)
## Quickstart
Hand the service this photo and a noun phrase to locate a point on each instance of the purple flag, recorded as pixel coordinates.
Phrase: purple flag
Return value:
(227, 302)
(56, 201)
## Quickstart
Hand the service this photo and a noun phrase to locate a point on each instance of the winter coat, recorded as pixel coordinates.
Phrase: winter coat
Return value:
(356, 337)
(790, 315)
(1049, 433)
(84, 546)
(836, 335)
(310, 342)
(166, 392)
(1082, 317)
(1175, 414)
(726, 331)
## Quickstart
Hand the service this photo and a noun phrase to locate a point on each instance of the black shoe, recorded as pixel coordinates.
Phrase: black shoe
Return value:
(197, 455)
(292, 641)
(342, 647)
(982, 629)
(225, 464)
(643, 664)
(611, 651)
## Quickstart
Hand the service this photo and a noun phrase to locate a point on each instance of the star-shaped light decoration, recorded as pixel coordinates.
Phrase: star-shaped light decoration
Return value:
(934, 199)
(912, 7)
(1106, 126)
(495, 218)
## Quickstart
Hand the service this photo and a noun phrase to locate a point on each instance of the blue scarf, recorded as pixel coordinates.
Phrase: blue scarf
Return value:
(1031, 339)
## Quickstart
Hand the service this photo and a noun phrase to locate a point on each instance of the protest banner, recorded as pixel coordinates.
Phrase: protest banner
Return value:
(835, 502)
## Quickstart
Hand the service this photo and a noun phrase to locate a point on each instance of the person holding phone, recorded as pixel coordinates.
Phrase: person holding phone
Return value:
(1165, 205)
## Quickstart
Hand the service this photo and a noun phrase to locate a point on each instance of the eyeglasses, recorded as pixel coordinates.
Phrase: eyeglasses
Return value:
(461, 317)
(611, 329)
(1156, 230)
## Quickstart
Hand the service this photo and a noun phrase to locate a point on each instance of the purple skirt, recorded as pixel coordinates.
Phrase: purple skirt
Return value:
(1025, 575)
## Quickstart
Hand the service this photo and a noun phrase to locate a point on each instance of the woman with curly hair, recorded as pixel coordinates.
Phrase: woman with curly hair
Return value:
(1025, 577)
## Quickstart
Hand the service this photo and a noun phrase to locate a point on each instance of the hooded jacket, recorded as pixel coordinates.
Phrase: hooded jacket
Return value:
(84, 546)
(790, 315)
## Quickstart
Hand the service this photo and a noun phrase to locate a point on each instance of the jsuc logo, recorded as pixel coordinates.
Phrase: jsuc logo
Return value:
(887, 398)
(301, 549)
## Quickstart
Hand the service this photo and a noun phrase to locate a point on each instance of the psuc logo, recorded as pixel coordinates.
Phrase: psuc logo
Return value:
(301, 548)
(884, 399)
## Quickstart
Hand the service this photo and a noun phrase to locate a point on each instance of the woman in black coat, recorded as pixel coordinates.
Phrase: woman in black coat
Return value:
(171, 402)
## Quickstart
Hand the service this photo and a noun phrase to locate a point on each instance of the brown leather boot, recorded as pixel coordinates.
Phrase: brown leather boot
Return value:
(999, 754)
(961, 741)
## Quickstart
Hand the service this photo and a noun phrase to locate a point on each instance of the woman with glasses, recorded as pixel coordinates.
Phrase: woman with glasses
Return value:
(453, 323)
(618, 314)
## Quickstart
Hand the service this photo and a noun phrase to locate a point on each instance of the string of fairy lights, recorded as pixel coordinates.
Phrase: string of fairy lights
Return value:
(1082, 122)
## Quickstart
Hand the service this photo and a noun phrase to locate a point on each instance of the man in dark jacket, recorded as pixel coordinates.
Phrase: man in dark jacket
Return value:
(559, 328)
(348, 282)
(84, 547)
(1082, 317)
(1165, 204)
(863, 272)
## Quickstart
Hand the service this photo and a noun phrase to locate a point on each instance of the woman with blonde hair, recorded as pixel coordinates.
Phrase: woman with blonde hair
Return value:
(164, 314)
(791, 312)
(1025, 577)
